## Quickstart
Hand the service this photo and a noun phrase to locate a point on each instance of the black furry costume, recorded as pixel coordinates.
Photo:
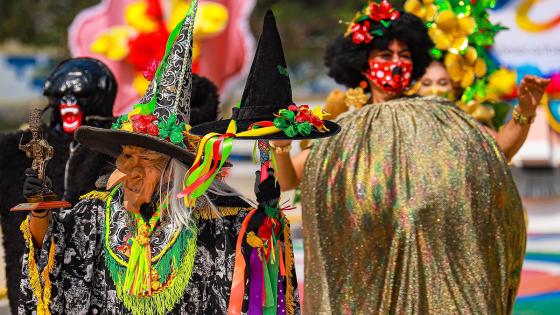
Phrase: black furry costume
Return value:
(93, 86)
(347, 61)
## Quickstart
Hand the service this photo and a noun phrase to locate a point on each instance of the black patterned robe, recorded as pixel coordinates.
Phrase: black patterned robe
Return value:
(80, 280)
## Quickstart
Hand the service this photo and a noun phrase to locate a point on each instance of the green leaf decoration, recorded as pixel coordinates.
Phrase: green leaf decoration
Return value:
(362, 18)
(176, 135)
(291, 131)
(304, 128)
(281, 123)
(385, 23)
(283, 71)
(166, 127)
(288, 114)
(501, 110)
(378, 32)
(436, 53)
(118, 124)
(286, 122)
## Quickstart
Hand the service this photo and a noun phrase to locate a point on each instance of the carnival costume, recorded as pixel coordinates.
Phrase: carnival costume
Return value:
(264, 265)
(80, 91)
(101, 258)
(411, 209)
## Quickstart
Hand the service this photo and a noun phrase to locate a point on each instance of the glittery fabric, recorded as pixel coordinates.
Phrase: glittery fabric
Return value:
(411, 209)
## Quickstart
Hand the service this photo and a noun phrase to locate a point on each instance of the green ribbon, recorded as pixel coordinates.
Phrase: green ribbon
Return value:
(118, 123)
(193, 176)
(283, 71)
(273, 267)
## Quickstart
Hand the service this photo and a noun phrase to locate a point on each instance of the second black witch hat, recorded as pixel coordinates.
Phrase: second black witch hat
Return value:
(267, 102)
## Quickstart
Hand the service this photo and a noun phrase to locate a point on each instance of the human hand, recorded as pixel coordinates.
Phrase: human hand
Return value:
(531, 91)
(32, 184)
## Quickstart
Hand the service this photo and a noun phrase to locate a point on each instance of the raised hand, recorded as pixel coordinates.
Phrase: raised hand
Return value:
(531, 91)
(32, 184)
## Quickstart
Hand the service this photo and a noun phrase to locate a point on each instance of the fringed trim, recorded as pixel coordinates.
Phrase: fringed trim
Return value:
(101, 195)
(162, 302)
(207, 213)
(174, 269)
(110, 252)
(43, 295)
(289, 266)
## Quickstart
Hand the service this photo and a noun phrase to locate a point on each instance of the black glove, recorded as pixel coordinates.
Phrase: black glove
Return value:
(268, 190)
(33, 185)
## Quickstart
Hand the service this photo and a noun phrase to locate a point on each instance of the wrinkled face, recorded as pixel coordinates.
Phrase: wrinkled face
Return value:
(143, 169)
(390, 70)
(436, 81)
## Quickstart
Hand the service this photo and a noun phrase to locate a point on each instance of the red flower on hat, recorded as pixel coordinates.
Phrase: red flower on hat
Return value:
(383, 11)
(304, 114)
(145, 124)
(360, 33)
(150, 72)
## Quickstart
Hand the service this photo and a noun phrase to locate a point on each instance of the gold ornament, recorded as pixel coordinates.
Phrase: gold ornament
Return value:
(156, 284)
(356, 97)
(142, 237)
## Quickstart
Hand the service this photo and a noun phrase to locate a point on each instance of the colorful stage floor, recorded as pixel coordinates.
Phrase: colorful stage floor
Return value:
(539, 293)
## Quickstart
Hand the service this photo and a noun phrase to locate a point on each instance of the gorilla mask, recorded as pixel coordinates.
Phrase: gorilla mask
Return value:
(80, 91)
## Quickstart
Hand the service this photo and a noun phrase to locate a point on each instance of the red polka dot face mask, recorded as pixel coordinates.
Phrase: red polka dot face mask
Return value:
(391, 76)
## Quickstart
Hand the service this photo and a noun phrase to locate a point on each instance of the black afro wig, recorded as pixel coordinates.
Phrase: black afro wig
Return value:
(204, 101)
(347, 61)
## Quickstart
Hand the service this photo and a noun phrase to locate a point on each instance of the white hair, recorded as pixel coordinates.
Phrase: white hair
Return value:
(171, 185)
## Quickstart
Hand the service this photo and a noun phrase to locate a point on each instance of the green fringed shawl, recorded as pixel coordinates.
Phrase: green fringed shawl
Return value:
(174, 268)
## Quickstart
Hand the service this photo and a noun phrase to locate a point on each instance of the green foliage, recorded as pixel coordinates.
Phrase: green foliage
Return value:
(306, 26)
(39, 23)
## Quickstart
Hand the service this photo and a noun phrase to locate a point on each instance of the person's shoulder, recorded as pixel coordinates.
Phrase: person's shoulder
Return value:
(93, 199)
(95, 196)
(223, 206)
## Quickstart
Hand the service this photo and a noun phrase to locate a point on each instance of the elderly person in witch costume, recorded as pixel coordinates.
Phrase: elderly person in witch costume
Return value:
(137, 248)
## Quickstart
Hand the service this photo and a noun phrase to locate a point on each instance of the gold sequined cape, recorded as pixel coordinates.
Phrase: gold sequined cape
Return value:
(411, 209)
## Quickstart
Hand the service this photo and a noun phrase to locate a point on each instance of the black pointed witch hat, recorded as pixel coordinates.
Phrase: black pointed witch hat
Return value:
(267, 99)
(159, 121)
